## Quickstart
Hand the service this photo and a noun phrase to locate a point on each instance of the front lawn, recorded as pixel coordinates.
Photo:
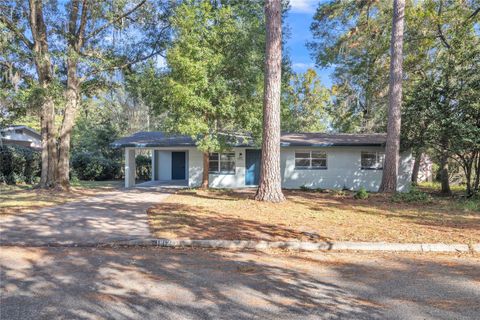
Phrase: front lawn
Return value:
(22, 198)
(312, 216)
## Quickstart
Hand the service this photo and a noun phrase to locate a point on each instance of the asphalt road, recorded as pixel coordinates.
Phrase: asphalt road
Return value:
(149, 283)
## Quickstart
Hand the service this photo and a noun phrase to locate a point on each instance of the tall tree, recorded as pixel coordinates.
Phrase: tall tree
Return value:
(352, 37)
(270, 186)
(75, 48)
(211, 88)
(306, 104)
(392, 149)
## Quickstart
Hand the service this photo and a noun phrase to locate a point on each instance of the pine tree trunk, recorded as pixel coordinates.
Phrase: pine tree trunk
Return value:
(392, 149)
(206, 165)
(270, 187)
(416, 167)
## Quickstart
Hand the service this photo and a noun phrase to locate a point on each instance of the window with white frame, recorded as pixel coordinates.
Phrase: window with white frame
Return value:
(372, 160)
(223, 163)
(308, 159)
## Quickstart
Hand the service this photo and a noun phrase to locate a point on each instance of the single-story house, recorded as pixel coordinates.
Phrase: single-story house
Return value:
(314, 160)
(22, 136)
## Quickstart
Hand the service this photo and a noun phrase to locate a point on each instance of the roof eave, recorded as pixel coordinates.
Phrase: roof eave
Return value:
(288, 144)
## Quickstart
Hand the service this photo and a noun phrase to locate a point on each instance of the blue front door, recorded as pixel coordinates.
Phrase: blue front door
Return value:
(252, 162)
(178, 165)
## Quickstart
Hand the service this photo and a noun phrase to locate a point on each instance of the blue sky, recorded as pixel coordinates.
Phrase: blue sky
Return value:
(299, 19)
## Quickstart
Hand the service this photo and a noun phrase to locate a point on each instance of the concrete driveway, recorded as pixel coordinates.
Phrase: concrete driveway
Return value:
(110, 214)
(152, 283)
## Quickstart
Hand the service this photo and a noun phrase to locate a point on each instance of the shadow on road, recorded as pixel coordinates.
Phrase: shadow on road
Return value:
(163, 284)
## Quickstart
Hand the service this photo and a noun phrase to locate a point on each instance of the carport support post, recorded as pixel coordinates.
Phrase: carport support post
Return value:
(130, 167)
(154, 164)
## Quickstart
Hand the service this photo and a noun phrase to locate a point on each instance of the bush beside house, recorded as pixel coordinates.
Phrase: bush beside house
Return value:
(19, 164)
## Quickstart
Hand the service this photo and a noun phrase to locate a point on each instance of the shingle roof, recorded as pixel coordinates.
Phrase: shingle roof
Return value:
(160, 139)
(14, 127)
(333, 139)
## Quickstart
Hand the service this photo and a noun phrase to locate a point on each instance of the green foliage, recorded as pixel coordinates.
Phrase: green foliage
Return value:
(214, 82)
(470, 204)
(19, 164)
(317, 190)
(361, 194)
(144, 167)
(354, 38)
(305, 188)
(91, 166)
(306, 103)
(94, 133)
(413, 195)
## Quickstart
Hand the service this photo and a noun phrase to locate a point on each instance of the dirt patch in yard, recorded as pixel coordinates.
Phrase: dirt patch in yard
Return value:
(309, 216)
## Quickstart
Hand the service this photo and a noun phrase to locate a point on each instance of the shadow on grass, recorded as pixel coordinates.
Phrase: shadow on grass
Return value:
(197, 222)
(440, 215)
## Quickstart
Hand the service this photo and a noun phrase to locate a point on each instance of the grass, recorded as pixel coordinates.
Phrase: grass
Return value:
(24, 198)
(313, 216)
(435, 187)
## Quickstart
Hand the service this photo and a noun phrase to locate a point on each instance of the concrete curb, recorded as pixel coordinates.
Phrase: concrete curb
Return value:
(259, 245)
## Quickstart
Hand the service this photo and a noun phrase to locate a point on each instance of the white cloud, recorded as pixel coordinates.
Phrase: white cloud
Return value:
(302, 66)
(303, 6)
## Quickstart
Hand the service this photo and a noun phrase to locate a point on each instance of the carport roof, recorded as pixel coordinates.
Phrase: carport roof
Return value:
(315, 139)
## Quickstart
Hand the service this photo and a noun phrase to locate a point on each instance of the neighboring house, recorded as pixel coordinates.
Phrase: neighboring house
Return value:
(21, 135)
(315, 160)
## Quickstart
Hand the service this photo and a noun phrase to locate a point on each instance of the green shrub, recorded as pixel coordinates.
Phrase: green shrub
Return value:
(19, 164)
(339, 193)
(305, 188)
(414, 195)
(90, 166)
(144, 167)
(361, 194)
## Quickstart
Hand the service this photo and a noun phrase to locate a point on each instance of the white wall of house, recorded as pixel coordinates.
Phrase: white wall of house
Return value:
(236, 180)
(343, 170)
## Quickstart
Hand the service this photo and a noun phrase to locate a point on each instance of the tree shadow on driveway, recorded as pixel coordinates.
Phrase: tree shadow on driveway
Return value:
(105, 215)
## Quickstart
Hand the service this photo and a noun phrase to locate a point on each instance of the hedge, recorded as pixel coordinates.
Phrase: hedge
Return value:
(92, 166)
(19, 164)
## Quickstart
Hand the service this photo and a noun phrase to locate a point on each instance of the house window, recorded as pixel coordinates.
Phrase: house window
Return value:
(310, 160)
(223, 163)
(372, 160)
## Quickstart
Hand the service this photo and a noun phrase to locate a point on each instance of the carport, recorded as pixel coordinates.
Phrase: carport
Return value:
(170, 158)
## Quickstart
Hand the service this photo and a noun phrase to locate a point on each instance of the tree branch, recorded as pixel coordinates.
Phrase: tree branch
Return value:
(439, 28)
(473, 14)
(11, 26)
(124, 65)
(83, 24)
(442, 37)
(108, 24)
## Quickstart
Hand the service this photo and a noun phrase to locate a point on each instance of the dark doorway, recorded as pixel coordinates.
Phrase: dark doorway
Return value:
(178, 165)
(252, 162)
